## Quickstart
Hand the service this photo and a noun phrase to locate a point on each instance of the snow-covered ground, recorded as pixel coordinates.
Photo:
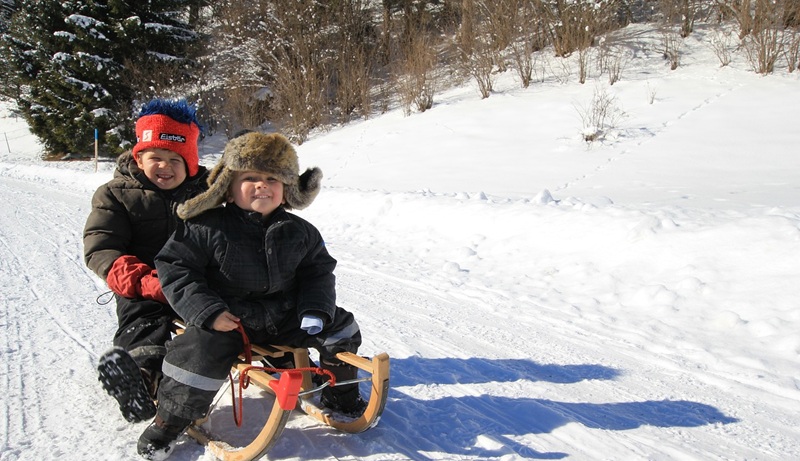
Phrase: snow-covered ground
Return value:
(540, 298)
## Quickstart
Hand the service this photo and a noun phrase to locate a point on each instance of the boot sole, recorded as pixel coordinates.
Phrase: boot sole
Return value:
(121, 379)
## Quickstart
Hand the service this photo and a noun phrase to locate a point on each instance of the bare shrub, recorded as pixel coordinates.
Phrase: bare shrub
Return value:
(762, 48)
(300, 91)
(573, 27)
(611, 60)
(500, 18)
(524, 61)
(671, 43)
(765, 28)
(791, 14)
(791, 49)
(614, 66)
(416, 84)
(601, 115)
(682, 12)
(480, 66)
(722, 44)
(233, 69)
(243, 106)
(478, 54)
(531, 37)
(740, 10)
(559, 69)
(351, 84)
(354, 40)
(651, 93)
(583, 64)
(776, 24)
(465, 37)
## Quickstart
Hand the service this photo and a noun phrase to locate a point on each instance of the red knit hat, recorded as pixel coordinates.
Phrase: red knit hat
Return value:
(159, 131)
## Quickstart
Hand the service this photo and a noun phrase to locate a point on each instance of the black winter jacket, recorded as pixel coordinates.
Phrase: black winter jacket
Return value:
(260, 269)
(132, 216)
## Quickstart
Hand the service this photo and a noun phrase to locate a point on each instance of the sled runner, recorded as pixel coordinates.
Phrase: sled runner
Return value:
(295, 389)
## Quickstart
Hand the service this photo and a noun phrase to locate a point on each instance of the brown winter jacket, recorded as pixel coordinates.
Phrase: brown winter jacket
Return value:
(132, 216)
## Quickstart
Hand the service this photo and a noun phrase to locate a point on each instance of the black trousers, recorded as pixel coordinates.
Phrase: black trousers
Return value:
(199, 360)
(144, 327)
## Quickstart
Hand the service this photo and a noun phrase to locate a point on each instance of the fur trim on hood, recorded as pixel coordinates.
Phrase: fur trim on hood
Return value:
(257, 152)
(126, 164)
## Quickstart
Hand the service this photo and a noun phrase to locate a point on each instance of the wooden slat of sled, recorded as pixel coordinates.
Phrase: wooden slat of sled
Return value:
(377, 367)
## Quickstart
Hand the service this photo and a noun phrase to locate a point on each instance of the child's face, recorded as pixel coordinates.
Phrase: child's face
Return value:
(164, 168)
(256, 191)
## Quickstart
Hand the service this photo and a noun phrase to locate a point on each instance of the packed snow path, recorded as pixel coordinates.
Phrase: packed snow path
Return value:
(585, 350)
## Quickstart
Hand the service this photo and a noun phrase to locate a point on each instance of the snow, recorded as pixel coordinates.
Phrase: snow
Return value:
(540, 298)
(89, 24)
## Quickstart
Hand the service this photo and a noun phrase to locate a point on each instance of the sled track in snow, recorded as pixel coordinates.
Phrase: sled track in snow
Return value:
(58, 237)
(51, 326)
(616, 386)
(19, 306)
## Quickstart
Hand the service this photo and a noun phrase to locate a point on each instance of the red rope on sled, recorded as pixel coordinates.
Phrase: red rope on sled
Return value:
(248, 351)
(244, 380)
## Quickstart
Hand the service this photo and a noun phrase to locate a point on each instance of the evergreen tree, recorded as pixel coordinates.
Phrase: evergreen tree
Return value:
(28, 47)
(7, 7)
(81, 65)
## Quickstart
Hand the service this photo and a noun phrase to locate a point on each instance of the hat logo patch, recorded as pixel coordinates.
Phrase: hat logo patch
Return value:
(172, 137)
(147, 135)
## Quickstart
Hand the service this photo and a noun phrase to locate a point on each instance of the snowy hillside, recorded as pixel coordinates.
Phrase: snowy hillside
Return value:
(636, 299)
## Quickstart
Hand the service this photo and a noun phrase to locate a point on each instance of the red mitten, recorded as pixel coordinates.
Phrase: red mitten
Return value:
(124, 276)
(150, 288)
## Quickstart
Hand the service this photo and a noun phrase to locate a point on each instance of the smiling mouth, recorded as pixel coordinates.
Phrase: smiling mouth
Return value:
(165, 176)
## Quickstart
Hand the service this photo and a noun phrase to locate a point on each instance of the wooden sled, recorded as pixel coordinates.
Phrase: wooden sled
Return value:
(293, 390)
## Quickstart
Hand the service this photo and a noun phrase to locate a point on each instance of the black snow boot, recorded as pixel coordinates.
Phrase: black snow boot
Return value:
(157, 441)
(123, 380)
(344, 399)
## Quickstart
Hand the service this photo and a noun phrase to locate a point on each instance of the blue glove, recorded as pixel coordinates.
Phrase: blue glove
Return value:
(311, 324)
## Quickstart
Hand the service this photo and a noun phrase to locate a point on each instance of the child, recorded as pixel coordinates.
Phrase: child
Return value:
(249, 262)
(132, 217)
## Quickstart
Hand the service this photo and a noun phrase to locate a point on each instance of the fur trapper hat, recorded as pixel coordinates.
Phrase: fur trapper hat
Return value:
(253, 151)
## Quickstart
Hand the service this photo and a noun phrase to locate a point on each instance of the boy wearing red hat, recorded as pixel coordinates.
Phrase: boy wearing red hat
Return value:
(132, 217)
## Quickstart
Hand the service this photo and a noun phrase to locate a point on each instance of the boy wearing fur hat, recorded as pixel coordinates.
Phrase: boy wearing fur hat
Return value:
(132, 217)
(249, 262)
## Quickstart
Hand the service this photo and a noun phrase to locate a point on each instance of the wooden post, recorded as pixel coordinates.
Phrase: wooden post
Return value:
(95, 150)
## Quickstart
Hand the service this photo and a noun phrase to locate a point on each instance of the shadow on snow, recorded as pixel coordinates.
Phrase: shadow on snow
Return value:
(416, 370)
(485, 426)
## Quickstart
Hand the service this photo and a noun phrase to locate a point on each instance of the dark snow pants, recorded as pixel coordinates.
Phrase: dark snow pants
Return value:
(199, 360)
(144, 327)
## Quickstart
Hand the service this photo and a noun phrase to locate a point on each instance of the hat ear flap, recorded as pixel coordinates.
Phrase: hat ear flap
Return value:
(301, 195)
(212, 177)
(219, 181)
